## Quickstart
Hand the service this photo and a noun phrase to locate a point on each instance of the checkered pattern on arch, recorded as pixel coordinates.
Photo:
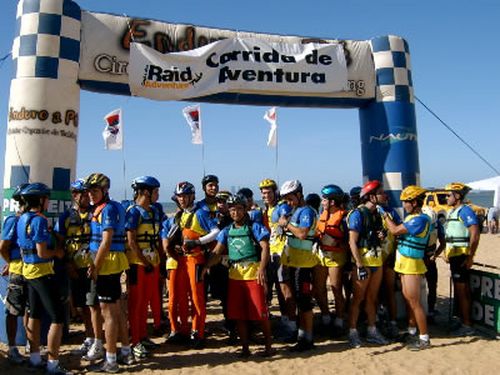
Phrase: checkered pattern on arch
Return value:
(47, 42)
(391, 56)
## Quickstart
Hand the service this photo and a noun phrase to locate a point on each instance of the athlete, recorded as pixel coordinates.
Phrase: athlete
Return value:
(107, 248)
(72, 230)
(44, 294)
(462, 238)
(331, 246)
(365, 236)
(143, 225)
(247, 245)
(413, 239)
(299, 257)
(195, 229)
(210, 185)
(15, 301)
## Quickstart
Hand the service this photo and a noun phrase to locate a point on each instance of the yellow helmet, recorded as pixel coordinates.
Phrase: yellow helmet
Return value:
(458, 187)
(412, 192)
(268, 183)
(97, 179)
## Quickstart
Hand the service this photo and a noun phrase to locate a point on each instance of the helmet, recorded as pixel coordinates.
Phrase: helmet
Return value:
(16, 195)
(223, 195)
(356, 190)
(145, 182)
(209, 178)
(184, 187)
(412, 192)
(458, 187)
(369, 187)
(246, 192)
(313, 200)
(290, 186)
(78, 185)
(97, 180)
(332, 192)
(237, 199)
(268, 183)
(36, 189)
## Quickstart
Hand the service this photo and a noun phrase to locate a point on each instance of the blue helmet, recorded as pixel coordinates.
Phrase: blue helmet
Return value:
(78, 185)
(16, 195)
(332, 192)
(356, 190)
(145, 182)
(184, 187)
(36, 189)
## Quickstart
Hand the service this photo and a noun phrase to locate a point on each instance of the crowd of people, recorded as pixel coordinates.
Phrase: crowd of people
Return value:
(227, 247)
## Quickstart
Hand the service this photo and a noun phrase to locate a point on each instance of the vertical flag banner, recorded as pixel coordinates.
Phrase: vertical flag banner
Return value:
(193, 118)
(270, 117)
(113, 132)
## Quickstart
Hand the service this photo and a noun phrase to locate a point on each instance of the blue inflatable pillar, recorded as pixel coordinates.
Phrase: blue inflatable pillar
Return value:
(389, 146)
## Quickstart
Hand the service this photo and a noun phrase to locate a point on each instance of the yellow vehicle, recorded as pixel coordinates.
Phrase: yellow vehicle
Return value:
(436, 200)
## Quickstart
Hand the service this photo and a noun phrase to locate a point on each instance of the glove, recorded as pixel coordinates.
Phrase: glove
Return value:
(362, 273)
(191, 244)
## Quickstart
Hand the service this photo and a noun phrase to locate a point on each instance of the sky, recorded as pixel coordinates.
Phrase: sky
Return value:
(455, 68)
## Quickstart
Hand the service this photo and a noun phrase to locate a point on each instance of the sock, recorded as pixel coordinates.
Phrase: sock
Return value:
(424, 337)
(35, 358)
(353, 331)
(372, 329)
(338, 322)
(98, 342)
(301, 334)
(292, 324)
(89, 341)
(111, 358)
(308, 336)
(394, 323)
(326, 319)
(125, 350)
(52, 364)
(412, 330)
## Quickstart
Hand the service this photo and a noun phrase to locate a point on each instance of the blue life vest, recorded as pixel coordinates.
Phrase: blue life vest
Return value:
(415, 246)
(118, 240)
(24, 238)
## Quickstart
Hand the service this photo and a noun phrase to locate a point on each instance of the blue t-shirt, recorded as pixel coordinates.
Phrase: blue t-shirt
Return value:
(417, 224)
(9, 233)
(165, 227)
(303, 217)
(259, 231)
(255, 216)
(468, 216)
(282, 209)
(355, 221)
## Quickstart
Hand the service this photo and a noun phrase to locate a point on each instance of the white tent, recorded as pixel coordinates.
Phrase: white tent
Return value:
(490, 184)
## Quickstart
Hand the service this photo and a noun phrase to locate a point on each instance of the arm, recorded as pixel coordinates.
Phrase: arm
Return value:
(43, 252)
(4, 250)
(132, 243)
(216, 255)
(353, 244)
(102, 252)
(396, 230)
(264, 260)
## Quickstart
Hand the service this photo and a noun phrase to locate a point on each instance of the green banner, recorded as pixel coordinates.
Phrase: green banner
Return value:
(485, 288)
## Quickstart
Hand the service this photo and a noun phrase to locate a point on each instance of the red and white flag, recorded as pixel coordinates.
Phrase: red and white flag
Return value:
(113, 132)
(193, 118)
(271, 117)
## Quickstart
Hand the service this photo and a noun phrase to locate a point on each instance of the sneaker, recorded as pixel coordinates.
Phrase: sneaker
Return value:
(27, 348)
(354, 340)
(95, 353)
(176, 338)
(110, 368)
(376, 338)
(419, 344)
(196, 341)
(392, 331)
(463, 331)
(140, 351)
(35, 368)
(149, 344)
(82, 349)
(59, 370)
(125, 359)
(302, 345)
(15, 357)
(408, 338)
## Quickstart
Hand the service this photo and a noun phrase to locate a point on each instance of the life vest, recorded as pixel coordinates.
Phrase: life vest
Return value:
(241, 244)
(147, 233)
(329, 230)
(298, 252)
(415, 246)
(456, 233)
(369, 244)
(26, 244)
(14, 250)
(78, 236)
(191, 229)
(118, 240)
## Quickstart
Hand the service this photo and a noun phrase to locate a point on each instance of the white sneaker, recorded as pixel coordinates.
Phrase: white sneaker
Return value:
(95, 352)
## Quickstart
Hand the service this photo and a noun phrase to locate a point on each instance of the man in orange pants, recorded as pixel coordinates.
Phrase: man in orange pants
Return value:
(191, 229)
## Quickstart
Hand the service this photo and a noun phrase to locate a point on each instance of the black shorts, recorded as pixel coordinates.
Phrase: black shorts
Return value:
(80, 287)
(17, 295)
(459, 272)
(108, 288)
(44, 293)
(302, 287)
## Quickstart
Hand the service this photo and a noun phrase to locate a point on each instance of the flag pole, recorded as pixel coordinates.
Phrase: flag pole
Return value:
(203, 157)
(276, 157)
(123, 158)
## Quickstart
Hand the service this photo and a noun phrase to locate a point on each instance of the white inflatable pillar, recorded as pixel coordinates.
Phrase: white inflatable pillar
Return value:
(44, 100)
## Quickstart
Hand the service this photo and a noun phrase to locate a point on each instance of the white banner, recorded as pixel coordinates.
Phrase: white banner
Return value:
(270, 116)
(113, 132)
(192, 114)
(237, 65)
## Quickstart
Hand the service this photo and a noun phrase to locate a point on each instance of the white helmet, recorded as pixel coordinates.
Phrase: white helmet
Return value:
(291, 186)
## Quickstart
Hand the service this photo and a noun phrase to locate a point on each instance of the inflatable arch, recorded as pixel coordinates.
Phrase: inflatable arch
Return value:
(60, 48)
